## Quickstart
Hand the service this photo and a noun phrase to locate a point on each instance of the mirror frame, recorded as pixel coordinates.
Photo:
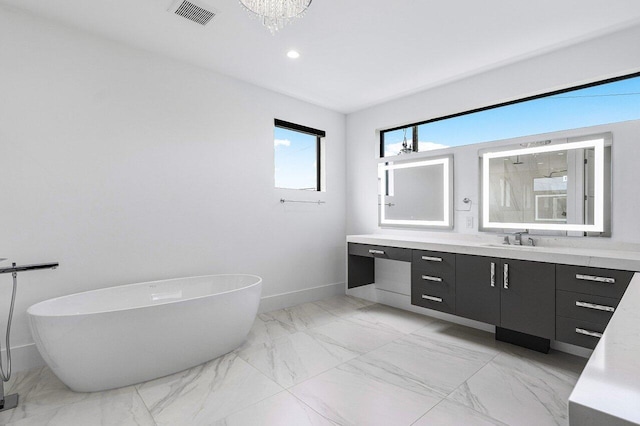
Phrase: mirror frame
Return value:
(598, 143)
(447, 178)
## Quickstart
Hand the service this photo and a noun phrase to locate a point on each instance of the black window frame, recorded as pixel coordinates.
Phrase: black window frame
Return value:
(319, 134)
(503, 104)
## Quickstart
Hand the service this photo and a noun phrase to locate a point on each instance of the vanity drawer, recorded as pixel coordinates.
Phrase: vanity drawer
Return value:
(597, 281)
(442, 283)
(434, 262)
(429, 295)
(380, 252)
(577, 332)
(585, 307)
(437, 281)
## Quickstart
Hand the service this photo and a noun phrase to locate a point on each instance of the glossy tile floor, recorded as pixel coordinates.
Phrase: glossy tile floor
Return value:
(337, 361)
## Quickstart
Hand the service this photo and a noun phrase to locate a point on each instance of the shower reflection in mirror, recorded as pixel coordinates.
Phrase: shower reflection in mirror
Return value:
(560, 185)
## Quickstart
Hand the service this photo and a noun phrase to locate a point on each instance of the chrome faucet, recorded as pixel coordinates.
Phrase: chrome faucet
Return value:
(518, 236)
(518, 241)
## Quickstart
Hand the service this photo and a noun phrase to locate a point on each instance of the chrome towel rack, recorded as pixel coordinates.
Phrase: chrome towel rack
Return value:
(282, 201)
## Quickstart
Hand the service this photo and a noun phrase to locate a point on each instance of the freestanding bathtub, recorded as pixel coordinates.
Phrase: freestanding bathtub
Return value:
(118, 336)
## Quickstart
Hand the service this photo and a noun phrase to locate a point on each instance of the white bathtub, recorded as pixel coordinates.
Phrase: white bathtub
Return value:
(118, 336)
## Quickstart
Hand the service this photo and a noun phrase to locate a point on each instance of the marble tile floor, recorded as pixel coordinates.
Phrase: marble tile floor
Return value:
(341, 361)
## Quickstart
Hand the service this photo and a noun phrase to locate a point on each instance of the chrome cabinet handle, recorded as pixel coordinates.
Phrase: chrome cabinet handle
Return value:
(605, 280)
(594, 306)
(493, 274)
(506, 276)
(432, 298)
(432, 259)
(588, 333)
(376, 251)
(430, 278)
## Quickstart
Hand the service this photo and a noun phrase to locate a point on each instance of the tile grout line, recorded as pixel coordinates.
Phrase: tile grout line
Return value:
(500, 352)
(288, 389)
(458, 387)
(305, 331)
(145, 405)
(259, 401)
(310, 407)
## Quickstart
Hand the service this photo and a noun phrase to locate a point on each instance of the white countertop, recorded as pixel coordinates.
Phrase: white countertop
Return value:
(608, 391)
(601, 258)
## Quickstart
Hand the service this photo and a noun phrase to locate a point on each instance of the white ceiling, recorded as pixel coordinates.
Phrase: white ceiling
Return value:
(355, 53)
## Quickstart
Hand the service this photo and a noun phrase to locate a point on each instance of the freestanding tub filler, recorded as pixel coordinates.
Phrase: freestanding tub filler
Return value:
(118, 336)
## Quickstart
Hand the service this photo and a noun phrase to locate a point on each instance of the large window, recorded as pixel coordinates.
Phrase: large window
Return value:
(604, 102)
(298, 157)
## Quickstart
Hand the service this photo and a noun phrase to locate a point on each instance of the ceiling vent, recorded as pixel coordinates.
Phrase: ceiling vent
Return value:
(193, 12)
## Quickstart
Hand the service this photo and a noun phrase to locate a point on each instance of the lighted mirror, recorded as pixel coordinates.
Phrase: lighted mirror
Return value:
(549, 185)
(416, 193)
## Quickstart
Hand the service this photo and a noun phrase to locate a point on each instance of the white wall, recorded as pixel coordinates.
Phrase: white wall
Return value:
(125, 166)
(605, 57)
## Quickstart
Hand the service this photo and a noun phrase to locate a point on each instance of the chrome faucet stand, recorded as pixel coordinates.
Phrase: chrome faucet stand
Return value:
(8, 402)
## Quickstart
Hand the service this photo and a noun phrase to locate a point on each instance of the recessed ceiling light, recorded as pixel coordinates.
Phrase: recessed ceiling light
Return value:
(293, 54)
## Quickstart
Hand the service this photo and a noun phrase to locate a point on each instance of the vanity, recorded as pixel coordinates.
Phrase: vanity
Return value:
(576, 299)
(532, 295)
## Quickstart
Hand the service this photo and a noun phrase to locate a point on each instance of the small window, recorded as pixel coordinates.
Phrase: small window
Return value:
(298, 157)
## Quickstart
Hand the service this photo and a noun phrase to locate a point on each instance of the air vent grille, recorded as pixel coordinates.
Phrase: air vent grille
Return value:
(194, 13)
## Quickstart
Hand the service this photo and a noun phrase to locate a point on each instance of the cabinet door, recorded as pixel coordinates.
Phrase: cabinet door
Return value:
(528, 297)
(478, 282)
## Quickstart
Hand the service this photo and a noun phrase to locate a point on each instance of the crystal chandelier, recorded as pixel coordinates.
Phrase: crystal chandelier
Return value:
(275, 14)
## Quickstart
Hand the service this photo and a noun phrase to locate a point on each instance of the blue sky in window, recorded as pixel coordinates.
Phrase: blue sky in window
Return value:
(607, 103)
(295, 159)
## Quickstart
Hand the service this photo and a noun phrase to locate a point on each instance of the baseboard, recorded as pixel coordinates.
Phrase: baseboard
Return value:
(292, 298)
(571, 349)
(24, 357)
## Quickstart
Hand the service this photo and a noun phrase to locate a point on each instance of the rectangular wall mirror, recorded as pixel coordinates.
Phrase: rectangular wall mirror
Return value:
(416, 193)
(549, 185)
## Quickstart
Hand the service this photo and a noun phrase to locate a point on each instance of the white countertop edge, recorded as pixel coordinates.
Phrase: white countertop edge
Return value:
(612, 259)
(608, 390)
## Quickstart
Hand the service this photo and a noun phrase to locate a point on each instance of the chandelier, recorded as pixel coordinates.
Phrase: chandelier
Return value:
(275, 14)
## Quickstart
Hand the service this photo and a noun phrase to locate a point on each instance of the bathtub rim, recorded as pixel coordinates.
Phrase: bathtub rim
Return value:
(168, 302)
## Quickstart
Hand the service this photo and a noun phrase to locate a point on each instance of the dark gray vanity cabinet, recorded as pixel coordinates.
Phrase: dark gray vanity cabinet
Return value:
(433, 280)
(530, 303)
(517, 295)
(478, 288)
(528, 296)
(586, 299)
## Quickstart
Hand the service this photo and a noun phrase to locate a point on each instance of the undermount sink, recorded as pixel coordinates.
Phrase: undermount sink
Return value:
(509, 246)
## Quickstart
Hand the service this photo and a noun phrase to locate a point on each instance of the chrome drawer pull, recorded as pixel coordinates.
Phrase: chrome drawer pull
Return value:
(588, 333)
(594, 306)
(432, 298)
(429, 278)
(493, 274)
(432, 259)
(506, 276)
(606, 280)
(376, 251)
